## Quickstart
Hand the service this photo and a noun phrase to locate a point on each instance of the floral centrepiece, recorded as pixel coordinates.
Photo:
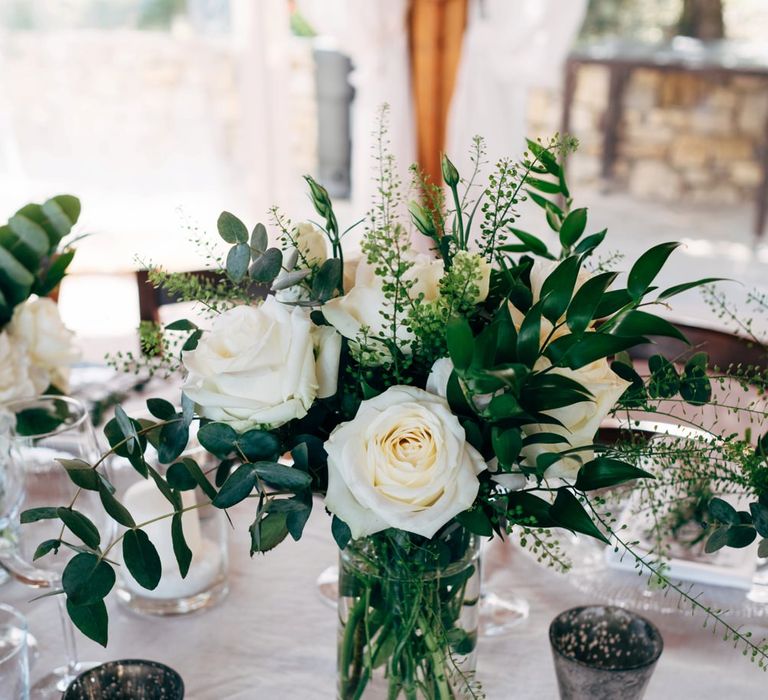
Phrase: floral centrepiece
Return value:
(429, 400)
(36, 349)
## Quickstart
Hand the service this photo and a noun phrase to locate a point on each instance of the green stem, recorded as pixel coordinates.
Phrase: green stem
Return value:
(459, 217)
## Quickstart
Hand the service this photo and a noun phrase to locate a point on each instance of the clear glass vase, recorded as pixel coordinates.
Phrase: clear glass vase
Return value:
(408, 616)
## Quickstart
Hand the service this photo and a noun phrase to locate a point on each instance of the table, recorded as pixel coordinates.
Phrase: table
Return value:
(682, 54)
(273, 638)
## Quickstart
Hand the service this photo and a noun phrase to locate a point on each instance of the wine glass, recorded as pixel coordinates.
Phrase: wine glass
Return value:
(48, 428)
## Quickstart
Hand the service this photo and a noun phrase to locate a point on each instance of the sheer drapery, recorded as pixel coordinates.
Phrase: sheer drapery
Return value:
(509, 46)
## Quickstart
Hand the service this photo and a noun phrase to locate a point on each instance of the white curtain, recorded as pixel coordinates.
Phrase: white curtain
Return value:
(509, 47)
(374, 34)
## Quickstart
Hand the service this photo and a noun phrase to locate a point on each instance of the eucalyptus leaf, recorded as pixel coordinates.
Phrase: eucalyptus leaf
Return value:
(231, 229)
(341, 532)
(238, 259)
(267, 266)
(116, 510)
(81, 526)
(141, 559)
(268, 532)
(181, 549)
(218, 438)
(91, 620)
(280, 476)
(259, 445)
(259, 239)
(86, 579)
(174, 437)
(237, 487)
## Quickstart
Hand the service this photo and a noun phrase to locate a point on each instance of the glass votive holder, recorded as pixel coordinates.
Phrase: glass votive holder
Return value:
(603, 652)
(14, 661)
(206, 534)
(129, 679)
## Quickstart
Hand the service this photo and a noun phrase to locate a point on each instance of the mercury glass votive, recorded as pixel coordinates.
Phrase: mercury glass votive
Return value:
(129, 679)
(603, 652)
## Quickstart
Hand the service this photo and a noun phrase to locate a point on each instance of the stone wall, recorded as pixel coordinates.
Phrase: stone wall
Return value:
(681, 137)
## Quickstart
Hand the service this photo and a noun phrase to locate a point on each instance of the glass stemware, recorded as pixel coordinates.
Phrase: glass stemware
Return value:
(49, 428)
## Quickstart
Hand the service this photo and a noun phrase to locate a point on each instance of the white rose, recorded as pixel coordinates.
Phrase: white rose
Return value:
(15, 379)
(37, 324)
(580, 421)
(262, 365)
(311, 243)
(539, 272)
(403, 462)
(437, 381)
(362, 304)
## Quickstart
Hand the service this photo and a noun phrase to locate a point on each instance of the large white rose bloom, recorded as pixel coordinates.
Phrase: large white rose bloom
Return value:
(15, 379)
(580, 421)
(49, 343)
(403, 462)
(262, 365)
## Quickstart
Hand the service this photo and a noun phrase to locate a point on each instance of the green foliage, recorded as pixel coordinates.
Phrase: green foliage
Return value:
(31, 261)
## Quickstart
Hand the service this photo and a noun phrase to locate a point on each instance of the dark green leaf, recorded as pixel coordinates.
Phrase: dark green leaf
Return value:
(32, 515)
(529, 336)
(86, 579)
(504, 406)
(267, 266)
(142, 559)
(173, 441)
(341, 532)
(280, 476)
(55, 273)
(527, 509)
(646, 268)
(161, 409)
(679, 288)
(81, 473)
(180, 548)
(531, 243)
(570, 514)
(182, 324)
(91, 620)
(116, 510)
(218, 438)
(460, 343)
(259, 445)
(171, 496)
(611, 302)
(507, 444)
(543, 185)
(44, 547)
(665, 381)
(588, 244)
(268, 532)
(557, 289)
(723, 512)
(583, 307)
(759, 518)
(476, 521)
(179, 478)
(238, 259)
(695, 385)
(30, 234)
(637, 323)
(237, 487)
(15, 280)
(201, 479)
(231, 229)
(259, 239)
(296, 519)
(573, 227)
(603, 472)
(80, 526)
(717, 540)
(740, 536)
(327, 279)
(593, 346)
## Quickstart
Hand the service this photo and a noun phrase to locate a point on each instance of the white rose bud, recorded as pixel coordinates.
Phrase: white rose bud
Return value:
(311, 243)
(403, 462)
(580, 421)
(362, 303)
(37, 324)
(262, 365)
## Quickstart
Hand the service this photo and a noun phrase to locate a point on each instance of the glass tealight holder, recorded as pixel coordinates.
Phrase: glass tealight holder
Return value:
(14, 661)
(603, 652)
(206, 534)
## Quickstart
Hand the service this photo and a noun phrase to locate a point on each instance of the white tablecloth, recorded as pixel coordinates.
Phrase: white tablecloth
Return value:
(273, 638)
